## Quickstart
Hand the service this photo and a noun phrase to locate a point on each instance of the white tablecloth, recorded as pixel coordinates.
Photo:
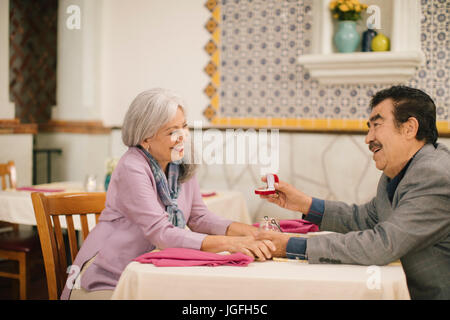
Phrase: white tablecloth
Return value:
(16, 206)
(271, 280)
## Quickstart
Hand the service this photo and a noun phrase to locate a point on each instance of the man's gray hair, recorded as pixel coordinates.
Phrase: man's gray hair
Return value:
(148, 112)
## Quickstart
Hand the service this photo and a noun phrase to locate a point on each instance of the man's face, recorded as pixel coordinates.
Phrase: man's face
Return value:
(385, 140)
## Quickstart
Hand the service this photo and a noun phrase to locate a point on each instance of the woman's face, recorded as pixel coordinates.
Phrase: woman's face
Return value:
(167, 145)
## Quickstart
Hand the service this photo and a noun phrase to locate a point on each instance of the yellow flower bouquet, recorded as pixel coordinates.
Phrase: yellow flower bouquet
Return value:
(347, 10)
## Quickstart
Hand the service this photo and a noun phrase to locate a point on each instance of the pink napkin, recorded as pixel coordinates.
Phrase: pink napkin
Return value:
(39, 189)
(181, 257)
(296, 226)
(208, 194)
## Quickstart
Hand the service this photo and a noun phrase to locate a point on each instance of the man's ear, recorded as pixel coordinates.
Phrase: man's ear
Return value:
(411, 127)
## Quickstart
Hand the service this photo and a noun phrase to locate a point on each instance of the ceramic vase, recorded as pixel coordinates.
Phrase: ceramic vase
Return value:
(346, 38)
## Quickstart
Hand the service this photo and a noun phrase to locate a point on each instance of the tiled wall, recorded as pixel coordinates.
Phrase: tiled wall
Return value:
(259, 46)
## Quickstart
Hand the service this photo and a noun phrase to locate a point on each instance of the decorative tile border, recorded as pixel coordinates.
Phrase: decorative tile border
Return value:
(212, 68)
(255, 80)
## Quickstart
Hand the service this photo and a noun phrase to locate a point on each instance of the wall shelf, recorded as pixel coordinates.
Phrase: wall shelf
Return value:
(395, 66)
(362, 67)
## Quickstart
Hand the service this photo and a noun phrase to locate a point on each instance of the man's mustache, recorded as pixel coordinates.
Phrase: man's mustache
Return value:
(375, 145)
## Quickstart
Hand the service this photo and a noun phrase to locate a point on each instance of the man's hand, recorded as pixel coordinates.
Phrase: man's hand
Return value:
(288, 197)
(279, 239)
(261, 249)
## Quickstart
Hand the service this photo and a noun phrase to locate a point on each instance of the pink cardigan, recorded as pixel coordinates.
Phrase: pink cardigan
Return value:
(134, 222)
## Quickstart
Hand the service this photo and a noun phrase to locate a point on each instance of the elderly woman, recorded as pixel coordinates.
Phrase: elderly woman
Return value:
(153, 195)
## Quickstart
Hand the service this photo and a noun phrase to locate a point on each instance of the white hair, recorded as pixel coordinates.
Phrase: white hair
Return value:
(148, 112)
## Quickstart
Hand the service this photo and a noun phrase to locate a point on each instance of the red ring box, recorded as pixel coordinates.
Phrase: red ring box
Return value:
(270, 188)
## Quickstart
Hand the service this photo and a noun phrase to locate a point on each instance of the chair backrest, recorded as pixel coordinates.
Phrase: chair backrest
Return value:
(48, 209)
(8, 169)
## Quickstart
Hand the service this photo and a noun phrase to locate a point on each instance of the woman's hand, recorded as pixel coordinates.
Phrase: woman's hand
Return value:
(241, 229)
(288, 197)
(278, 239)
(260, 250)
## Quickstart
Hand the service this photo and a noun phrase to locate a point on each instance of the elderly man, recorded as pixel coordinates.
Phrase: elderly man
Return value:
(409, 219)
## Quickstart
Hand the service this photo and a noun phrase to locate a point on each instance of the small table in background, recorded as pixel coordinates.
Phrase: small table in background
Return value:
(16, 206)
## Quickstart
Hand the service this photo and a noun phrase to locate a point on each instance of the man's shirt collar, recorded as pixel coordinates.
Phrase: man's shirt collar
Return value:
(394, 182)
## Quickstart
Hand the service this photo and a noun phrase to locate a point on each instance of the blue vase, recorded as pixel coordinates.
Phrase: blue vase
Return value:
(107, 180)
(346, 38)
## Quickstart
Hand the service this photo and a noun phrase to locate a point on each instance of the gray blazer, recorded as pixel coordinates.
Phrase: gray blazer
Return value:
(414, 229)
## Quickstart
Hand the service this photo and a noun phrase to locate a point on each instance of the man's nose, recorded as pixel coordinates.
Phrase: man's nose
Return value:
(369, 136)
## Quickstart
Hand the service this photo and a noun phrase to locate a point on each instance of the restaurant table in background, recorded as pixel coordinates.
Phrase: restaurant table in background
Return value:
(228, 204)
(270, 280)
(16, 206)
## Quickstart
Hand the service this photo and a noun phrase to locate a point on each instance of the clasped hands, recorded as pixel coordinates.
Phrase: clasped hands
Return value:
(262, 245)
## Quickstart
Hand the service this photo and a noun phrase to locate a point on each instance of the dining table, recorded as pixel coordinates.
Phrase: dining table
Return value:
(276, 279)
(16, 205)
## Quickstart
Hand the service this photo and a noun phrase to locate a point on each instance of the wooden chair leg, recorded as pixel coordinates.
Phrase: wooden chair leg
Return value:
(23, 276)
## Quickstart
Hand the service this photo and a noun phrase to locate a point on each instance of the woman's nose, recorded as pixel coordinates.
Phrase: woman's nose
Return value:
(178, 136)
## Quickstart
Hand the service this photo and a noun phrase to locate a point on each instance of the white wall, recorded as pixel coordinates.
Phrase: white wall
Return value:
(78, 68)
(6, 107)
(18, 148)
(82, 154)
(117, 146)
(121, 49)
(160, 44)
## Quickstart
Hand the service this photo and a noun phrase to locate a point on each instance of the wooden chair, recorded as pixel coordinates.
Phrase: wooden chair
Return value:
(48, 210)
(8, 170)
(16, 244)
